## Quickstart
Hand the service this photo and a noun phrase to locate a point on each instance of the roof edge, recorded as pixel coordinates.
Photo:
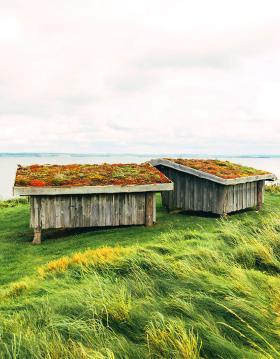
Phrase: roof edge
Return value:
(210, 177)
(52, 191)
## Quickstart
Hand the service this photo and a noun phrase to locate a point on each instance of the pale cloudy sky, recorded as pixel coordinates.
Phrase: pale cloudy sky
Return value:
(140, 76)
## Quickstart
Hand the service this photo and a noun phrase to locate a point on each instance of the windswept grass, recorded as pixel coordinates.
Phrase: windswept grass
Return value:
(13, 202)
(189, 287)
(169, 338)
(91, 257)
(275, 189)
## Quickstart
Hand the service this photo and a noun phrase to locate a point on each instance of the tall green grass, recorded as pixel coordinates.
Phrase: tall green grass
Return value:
(274, 189)
(13, 202)
(190, 287)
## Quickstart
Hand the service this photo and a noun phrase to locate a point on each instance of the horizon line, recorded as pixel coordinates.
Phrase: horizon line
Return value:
(105, 154)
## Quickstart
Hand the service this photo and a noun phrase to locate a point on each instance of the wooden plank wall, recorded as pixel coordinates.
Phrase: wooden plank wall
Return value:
(192, 193)
(73, 211)
(241, 196)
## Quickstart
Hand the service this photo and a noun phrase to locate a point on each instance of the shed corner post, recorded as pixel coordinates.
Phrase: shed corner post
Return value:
(37, 235)
(149, 209)
(36, 219)
(260, 190)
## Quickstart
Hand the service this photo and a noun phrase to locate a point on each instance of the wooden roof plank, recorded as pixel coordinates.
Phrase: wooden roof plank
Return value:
(49, 191)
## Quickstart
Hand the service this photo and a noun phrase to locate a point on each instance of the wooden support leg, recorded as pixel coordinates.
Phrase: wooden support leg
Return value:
(260, 187)
(149, 210)
(37, 235)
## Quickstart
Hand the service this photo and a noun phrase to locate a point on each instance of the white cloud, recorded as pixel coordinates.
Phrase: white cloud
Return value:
(130, 76)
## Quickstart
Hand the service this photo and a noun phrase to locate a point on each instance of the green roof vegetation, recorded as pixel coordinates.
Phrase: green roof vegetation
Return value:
(223, 169)
(88, 175)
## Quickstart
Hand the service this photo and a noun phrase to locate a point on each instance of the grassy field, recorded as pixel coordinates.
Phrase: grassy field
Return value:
(189, 287)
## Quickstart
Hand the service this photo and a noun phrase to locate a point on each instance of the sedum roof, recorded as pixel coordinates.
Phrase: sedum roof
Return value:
(79, 175)
(222, 169)
(223, 172)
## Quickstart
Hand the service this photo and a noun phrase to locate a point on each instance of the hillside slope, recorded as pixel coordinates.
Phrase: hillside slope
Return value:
(189, 287)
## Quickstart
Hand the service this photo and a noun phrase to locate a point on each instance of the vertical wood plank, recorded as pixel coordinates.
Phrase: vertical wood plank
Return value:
(205, 192)
(223, 203)
(236, 198)
(149, 209)
(38, 227)
(194, 194)
(186, 193)
(155, 208)
(32, 214)
(260, 189)
(66, 209)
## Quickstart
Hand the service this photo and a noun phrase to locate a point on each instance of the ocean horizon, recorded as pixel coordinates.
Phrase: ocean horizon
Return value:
(10, 160)
(179, 154)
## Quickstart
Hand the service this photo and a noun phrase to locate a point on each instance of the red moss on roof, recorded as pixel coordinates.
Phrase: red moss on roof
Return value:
(222, 169)
(88, 175)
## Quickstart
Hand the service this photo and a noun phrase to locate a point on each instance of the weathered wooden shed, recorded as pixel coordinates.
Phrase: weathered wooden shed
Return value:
(73, 196)
(213, 186)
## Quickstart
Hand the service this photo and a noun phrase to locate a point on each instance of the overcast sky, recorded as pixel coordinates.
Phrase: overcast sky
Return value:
(140, 76)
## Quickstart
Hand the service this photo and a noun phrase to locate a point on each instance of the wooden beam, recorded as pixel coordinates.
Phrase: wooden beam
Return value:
(37, 235)
(54, 191)
(37, 203)
(260, 188)
(149, 209)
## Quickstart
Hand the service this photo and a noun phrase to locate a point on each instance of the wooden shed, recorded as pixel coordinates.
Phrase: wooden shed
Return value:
(72, 196)
(213, 186)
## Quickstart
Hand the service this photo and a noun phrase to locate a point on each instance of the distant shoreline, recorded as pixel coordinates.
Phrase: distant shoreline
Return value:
(187, 155)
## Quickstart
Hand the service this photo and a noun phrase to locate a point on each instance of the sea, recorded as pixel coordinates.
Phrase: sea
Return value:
(9, 162)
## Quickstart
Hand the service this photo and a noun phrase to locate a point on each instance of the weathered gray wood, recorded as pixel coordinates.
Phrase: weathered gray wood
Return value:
(37, 239)
(260, 193)
(236, 198)
(198, 194)
(154, 208)
(190, 194)
(55, 191)
(221, 206)
(38, 222)
(92, 210)
(206, 190)
(178, 189)
(240, 197)
(186, 186)
(208, 176)
(149, 209)
(252, 194)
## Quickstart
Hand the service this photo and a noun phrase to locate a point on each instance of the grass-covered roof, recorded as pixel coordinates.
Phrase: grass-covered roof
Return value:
(88, 175)
(222, 169)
